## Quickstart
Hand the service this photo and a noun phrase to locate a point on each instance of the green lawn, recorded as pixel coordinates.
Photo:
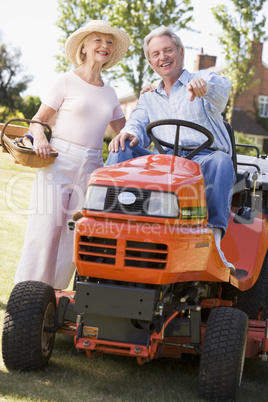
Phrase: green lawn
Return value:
(71, 376)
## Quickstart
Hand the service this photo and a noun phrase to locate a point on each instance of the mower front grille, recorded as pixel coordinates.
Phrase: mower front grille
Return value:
(139, 207)
(145, 255)
(98, 250)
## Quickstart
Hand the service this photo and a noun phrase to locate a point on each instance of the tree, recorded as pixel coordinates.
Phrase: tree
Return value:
(240, 138)
(136, 17)
(6, 114)
(241, 27)
(12, 82)
(30, 105)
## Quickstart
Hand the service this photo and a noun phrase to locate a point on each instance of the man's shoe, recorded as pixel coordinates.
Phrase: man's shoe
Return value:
(228, 264)
(232, 269)
(218, 235)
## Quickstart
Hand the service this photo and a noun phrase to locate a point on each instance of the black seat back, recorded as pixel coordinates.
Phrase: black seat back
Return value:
(232, 139)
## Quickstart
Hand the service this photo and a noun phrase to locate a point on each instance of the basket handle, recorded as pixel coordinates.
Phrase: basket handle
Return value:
(29, 121)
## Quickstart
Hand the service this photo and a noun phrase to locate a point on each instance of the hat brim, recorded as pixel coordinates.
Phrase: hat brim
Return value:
(75, 41)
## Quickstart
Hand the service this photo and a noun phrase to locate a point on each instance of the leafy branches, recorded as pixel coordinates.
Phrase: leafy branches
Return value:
(12, 82)
(241, 26)
(136, 17)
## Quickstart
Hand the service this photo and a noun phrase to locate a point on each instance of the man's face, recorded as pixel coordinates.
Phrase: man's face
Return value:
(165, 58)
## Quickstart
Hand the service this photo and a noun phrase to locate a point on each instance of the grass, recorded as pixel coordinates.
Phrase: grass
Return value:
(72, 376)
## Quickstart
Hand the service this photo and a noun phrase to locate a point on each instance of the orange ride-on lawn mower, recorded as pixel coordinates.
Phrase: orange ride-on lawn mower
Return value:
(150, 282)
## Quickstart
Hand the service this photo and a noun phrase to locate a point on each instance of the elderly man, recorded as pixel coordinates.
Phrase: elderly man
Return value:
(200, 98)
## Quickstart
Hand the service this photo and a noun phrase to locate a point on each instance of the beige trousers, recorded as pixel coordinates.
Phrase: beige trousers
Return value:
(58, 191)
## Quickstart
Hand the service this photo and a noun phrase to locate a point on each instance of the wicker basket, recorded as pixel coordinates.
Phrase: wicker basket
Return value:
(23, 155)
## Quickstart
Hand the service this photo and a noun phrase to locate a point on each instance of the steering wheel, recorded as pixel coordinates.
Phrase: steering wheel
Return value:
(195, 149)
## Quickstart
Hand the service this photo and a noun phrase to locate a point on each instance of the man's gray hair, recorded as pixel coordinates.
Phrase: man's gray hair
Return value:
(160, 32)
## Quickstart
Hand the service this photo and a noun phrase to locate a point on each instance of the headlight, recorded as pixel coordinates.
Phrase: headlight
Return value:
(163, 204)
(95, 197)
(194, 213)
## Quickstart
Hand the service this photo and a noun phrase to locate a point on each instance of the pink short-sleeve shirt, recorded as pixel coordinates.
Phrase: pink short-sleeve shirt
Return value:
(83, 110)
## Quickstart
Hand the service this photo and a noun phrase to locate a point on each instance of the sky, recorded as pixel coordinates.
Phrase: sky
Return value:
(30, 25)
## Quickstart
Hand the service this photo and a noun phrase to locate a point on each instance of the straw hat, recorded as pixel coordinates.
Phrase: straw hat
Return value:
(73, 44)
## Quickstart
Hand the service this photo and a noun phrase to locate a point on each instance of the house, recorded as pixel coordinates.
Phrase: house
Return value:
(128, 103)
(251, 103)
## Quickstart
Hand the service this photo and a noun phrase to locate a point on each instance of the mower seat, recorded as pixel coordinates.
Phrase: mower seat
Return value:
(232, 139)
(240, 183)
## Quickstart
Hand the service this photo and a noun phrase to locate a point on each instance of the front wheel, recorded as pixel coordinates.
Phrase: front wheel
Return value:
(223, 354)
(26, 344)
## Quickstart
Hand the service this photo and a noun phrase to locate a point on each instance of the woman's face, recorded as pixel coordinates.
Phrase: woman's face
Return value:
(98, 48)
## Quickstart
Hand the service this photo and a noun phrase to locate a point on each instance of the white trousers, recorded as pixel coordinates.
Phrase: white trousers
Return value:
(58, 191)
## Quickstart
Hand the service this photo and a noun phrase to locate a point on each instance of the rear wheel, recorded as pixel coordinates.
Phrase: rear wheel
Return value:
(26, 344)
(223, 354)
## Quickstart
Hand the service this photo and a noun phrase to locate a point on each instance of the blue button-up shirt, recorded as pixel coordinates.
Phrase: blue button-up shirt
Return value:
(205, 111)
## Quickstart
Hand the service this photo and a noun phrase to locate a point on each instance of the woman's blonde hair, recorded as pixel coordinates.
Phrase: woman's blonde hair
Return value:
(82, 56)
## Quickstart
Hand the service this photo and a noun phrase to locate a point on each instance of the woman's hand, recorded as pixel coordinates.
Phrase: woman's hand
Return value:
(41, 146)
(147, 88)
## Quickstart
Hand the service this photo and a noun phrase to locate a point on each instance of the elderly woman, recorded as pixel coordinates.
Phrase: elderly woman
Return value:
(84, 106)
